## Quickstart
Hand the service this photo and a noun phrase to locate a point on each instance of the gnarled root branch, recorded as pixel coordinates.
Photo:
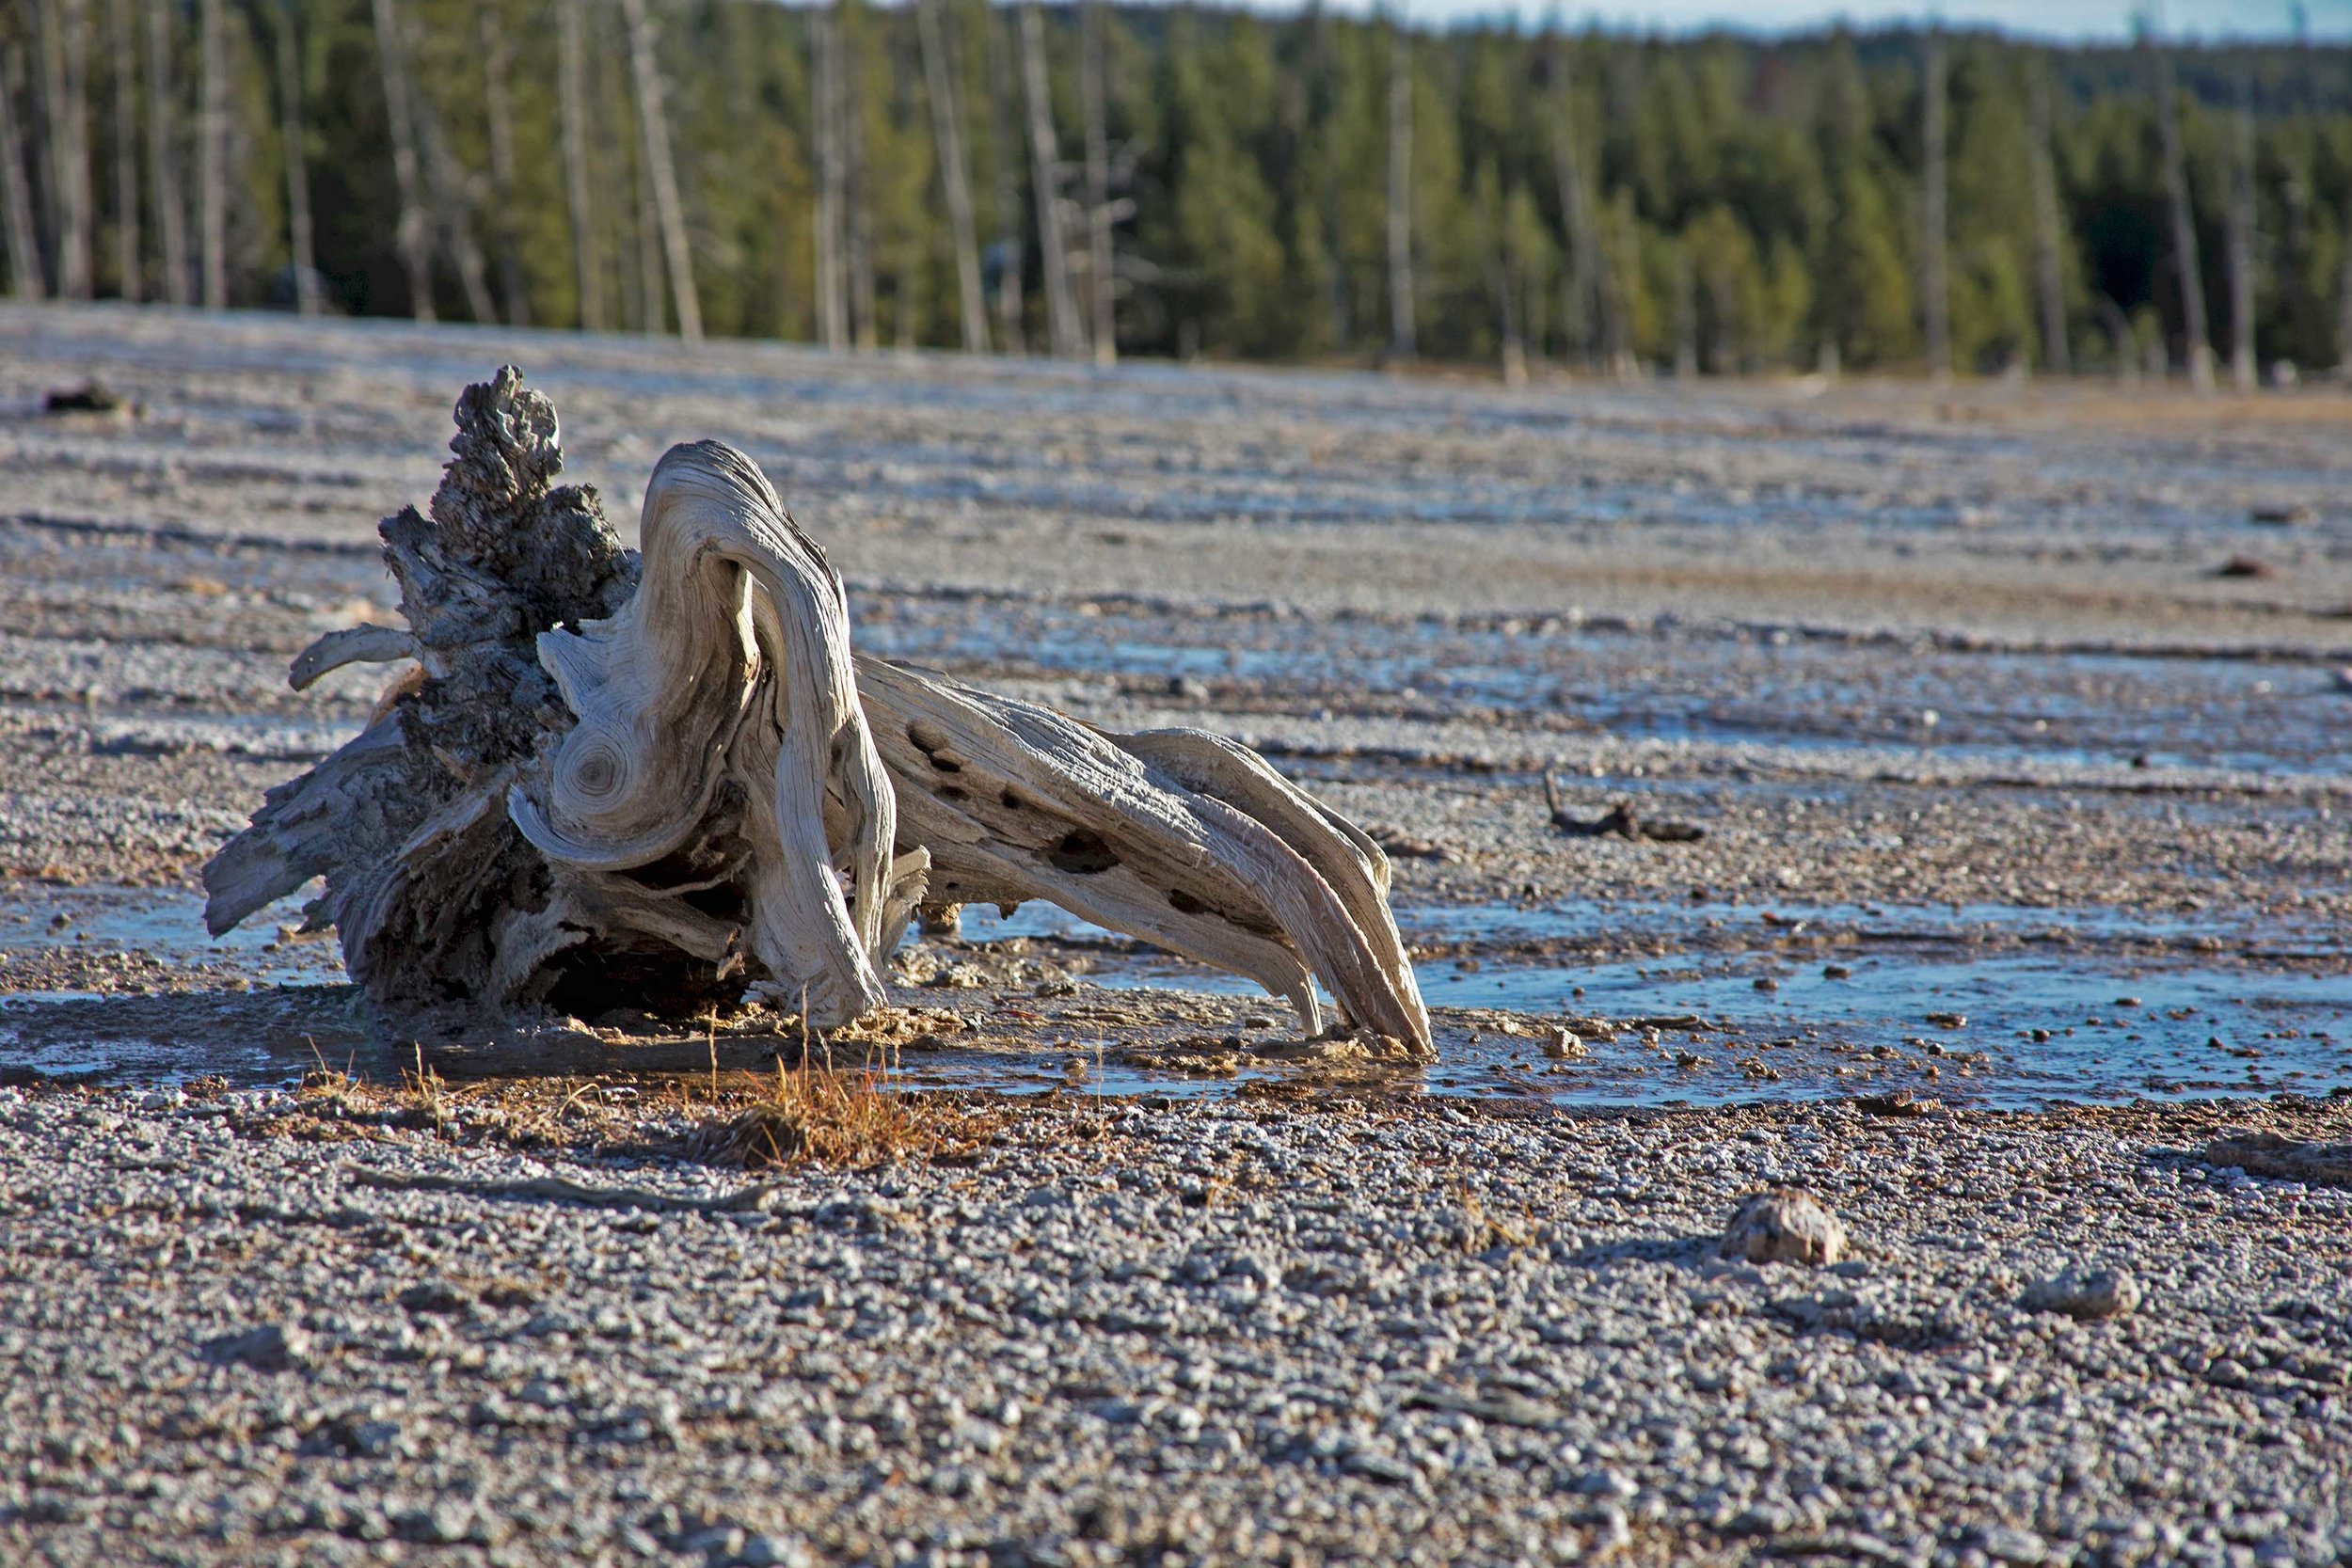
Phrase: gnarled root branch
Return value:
(659, 781)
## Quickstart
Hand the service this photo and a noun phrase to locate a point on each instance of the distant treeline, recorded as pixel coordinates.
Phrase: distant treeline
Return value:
(1173, 181)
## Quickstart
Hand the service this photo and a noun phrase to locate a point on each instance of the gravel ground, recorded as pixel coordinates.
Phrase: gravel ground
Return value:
(261, 1329)
(2063, 659)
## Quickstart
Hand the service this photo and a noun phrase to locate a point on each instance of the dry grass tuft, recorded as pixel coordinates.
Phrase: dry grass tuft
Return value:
(817, 1113)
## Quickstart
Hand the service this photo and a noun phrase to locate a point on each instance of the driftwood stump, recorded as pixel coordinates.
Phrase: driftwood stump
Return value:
(663, 780)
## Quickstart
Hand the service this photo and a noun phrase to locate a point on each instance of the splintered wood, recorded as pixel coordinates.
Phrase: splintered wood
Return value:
(663, 781)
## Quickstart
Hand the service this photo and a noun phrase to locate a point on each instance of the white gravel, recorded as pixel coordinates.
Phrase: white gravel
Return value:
(1228, 1331)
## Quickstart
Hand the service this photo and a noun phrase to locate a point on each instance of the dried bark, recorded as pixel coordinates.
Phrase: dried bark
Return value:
(689, 789)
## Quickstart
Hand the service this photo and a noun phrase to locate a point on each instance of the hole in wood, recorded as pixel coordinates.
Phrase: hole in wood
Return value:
(1184, 903)
(1082, 853)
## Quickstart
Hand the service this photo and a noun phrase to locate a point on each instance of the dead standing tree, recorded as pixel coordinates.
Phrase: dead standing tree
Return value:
(16, 199)
(123, 72)
(212, 155)
(1934, 285)
(163, 160)
(1101, 275)
(1062, 306)
(571, 107)
(2049, 267)
(2186, 267)
(1401, 334)
(306, 276)
(954, 176)
(2240, 240)
(412, 235)
(65, 100)
(653, 125)
(689, 787)
(833, 299)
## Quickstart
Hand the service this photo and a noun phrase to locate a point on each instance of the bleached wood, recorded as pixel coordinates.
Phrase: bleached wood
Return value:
(691, 790)
(689, 673)
(362, 644)
(1177, 837)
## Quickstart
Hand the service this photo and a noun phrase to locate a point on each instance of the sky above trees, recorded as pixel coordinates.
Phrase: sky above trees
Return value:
(2051, 19)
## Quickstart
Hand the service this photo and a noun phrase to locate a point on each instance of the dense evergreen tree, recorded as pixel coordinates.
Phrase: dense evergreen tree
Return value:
(1720, 203)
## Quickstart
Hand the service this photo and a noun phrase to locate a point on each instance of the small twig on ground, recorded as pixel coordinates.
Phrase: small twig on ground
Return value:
(1618, 821)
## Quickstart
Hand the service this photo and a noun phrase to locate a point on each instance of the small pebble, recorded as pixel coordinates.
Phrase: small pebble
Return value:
(2086, 1296)
(1784, 1225)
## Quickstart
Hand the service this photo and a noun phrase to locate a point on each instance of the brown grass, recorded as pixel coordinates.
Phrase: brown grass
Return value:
(820, 1114)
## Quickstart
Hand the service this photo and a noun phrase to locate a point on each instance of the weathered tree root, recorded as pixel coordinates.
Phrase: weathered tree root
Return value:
(659, 781)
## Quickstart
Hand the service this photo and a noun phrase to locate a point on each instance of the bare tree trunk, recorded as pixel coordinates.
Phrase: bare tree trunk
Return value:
(651, 314)
(1585, 264)
(211, 157)
(653, 124)
(123, 74)
(833, 308)
(1061, 311)
(2119, 343)
(1323, 78)
(2344, 300)
(1102, 282)
(857, 206)
(16, 196)
(498, 60)
(2184, 261)
(1686, 313)
(163, 160)
(1933, 286)
(1505, 275)
(1009, 250)
(954, 175)
(572, 106)
(65, 53)
(414, 234)
(452, 190)
(1401, 343)
(2242, 369)
(2047, 222)
(297, 169)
